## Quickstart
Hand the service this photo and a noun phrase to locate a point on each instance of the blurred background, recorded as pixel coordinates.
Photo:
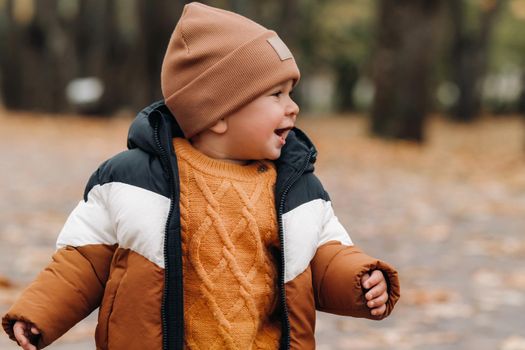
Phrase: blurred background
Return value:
(396, 61)
(417, 108)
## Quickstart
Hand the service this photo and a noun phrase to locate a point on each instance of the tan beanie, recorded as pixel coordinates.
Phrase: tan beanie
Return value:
(218, 61)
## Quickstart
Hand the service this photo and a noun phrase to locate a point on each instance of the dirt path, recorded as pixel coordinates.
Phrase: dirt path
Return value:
(450, 216)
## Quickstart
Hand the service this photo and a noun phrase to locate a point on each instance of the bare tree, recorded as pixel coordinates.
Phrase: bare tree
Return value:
(42, 55)
(521, 101)
(35, 64)
(402, 67)
(469, 56)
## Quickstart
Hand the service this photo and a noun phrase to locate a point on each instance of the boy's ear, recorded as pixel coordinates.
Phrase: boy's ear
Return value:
(220, 127)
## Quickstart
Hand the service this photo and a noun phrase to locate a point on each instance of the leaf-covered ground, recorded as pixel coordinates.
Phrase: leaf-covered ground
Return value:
(449, 215)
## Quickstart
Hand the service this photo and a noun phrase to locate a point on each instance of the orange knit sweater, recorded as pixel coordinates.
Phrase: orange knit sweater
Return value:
(229, 240)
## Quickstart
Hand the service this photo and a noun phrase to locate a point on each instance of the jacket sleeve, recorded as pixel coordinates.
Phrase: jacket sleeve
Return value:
(72, 285)
(337, 270)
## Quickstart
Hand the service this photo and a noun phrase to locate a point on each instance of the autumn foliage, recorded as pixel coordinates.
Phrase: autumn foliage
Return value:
(450, 215)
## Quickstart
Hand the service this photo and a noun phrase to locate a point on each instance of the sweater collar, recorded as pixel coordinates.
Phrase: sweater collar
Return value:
(298, 154)
(220, 168)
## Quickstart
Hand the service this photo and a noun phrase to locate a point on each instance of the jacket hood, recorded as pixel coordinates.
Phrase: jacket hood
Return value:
(141, 135)
(294, 152)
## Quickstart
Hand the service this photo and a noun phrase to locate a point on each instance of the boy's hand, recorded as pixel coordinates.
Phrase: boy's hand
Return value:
(24, 333)
(376, 295)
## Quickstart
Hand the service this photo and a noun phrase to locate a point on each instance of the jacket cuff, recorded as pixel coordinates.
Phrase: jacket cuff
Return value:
(9, 320)
(393, 288)
(337, 281)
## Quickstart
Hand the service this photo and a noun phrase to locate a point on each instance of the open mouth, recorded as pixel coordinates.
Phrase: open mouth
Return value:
(282, 132)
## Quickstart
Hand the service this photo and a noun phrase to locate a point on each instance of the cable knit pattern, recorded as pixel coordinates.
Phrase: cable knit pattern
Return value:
(229, 231)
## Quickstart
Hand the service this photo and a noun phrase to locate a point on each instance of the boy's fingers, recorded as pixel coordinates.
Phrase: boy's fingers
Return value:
(29, 346)
(376, 291)
(363, 280)
(380, 300)
(18, 331)
(379, 310)
(35, 330)
(376, 277)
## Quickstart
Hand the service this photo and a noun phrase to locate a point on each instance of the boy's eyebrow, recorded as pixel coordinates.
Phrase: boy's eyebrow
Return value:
(282, 86)
(285, 85)
(276, 87)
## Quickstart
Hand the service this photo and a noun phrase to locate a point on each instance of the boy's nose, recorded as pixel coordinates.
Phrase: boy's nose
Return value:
(292, 109)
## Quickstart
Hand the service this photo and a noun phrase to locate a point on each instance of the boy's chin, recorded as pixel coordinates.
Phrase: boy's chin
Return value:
(274, 156)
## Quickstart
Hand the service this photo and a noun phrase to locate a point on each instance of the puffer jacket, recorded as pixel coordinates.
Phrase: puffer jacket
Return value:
(120, 250)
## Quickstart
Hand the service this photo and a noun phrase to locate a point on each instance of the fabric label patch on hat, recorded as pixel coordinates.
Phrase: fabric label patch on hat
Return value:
(280, 47)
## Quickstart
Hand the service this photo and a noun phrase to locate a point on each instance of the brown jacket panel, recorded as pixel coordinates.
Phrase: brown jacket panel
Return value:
(130, 314)
(301, 311)
(337, 272)
(65, 292)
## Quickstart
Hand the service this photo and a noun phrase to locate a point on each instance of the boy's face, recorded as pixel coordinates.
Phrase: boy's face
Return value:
(259, 129)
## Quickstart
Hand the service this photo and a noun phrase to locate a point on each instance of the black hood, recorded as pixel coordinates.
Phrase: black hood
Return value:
(141, 135)
(141, 132)
(297, 147)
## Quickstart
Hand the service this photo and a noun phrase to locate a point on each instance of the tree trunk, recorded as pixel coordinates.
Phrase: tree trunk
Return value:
(469, 57)
(36, 66)
(10, 65)
(157, 21)
(521, 101)
(402, 67)
(242, 7)
(347, 74)
(39, 58)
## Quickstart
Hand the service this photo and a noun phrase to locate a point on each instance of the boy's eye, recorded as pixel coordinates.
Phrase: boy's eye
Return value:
(277, 93)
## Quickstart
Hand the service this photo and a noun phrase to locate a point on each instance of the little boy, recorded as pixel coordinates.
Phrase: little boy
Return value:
(211, 231)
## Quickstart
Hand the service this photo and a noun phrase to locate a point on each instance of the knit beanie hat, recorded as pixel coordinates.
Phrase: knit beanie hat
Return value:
(218, 61)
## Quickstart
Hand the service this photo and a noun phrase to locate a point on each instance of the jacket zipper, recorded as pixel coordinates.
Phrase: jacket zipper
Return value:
(172, 315)
(285, 341)
(175, 339)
